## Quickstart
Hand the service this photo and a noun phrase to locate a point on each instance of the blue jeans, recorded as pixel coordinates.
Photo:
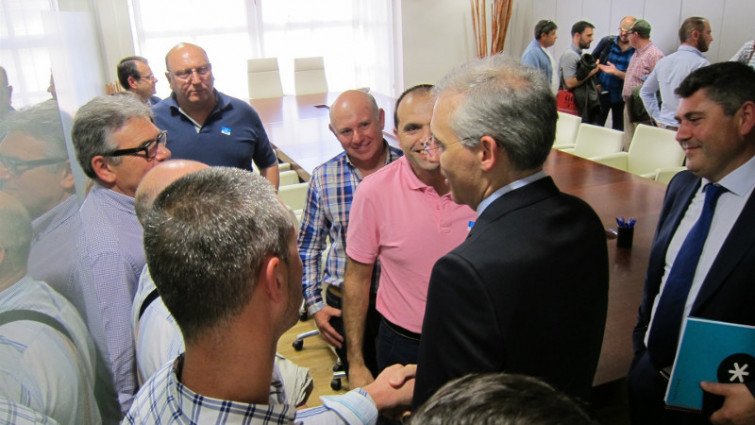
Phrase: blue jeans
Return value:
(395, 348)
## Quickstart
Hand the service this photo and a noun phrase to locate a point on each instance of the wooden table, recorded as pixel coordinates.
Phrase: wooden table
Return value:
(299, 130)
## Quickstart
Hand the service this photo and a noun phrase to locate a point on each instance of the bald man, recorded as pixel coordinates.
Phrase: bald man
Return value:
(206, 125)
(357, 122)
(158, 339)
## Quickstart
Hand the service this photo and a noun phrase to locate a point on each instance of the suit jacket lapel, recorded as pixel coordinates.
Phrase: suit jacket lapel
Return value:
(741, 237)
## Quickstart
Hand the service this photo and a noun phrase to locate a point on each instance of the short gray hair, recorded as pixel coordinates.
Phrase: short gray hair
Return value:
(205, 239)
(95, 123)
(507, 101)
(42, 122)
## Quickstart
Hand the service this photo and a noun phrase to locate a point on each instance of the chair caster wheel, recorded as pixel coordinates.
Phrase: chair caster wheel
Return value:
(297, 344)
(303, 316)
(335, 384)
(337, 367)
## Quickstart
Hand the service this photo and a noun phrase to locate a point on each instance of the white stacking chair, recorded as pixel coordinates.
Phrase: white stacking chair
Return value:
(288, 177)
(294, 195)
(263, 78)
(664, 175)
(595, 141)
(309, 75)
(284, 166)
(567, 127)
(652, 149)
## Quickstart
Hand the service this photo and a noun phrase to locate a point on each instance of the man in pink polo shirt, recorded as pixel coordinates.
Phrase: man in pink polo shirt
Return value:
(403, 216)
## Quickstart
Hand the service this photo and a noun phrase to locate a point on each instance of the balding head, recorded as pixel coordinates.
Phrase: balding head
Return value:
(189, 73)
(15, 240)
(357, 122)
(157, 179)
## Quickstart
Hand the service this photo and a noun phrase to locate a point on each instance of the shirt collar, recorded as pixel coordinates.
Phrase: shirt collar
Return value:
(508, 188)
(690, 49)
(740, 181)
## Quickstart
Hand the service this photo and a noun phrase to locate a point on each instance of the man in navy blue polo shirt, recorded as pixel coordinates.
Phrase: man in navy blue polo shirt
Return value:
(206, 125)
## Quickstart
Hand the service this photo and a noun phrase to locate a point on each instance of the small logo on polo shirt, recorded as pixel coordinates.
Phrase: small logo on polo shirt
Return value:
(225, 130)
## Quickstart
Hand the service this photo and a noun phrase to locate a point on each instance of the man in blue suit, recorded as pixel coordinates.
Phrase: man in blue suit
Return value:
(716, 116)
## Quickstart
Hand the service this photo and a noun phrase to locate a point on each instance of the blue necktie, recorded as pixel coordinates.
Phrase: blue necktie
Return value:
(664, 332)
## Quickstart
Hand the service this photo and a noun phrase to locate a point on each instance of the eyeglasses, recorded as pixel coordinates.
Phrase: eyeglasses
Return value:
(434, 148)
(149, 77)
(15, 167)
(150, 147)
(185, 74)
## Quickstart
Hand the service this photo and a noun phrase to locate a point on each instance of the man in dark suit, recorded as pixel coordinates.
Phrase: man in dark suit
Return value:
(527, 291)
(716, 116)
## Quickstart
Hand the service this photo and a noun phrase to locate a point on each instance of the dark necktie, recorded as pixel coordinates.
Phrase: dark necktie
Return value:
(667, 320)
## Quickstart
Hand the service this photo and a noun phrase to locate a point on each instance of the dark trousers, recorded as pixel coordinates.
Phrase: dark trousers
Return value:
(369, 348)
(396, 347)
(647, 389)
(616, 109)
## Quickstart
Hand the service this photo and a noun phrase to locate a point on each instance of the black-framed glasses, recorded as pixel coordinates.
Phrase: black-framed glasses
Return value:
(150, 147)
(15, 167)
(185, 74)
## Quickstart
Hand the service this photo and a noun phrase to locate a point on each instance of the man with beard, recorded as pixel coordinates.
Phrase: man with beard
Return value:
(695, 35)
(614, 53)
(581, 38)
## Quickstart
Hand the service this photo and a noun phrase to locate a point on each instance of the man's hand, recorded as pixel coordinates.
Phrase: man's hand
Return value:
(322, 320)
(608, 68)
(359, 375)
(392, 390)
(739, 404)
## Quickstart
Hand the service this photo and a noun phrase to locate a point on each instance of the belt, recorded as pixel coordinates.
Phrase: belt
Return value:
(335, 291)
(401, 331)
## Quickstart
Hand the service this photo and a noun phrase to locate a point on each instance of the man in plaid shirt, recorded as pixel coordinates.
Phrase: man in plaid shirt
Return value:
(357, 122)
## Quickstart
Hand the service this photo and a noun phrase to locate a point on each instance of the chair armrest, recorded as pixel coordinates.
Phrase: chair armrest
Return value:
(562, 146)
(618, 160)
(664, 175)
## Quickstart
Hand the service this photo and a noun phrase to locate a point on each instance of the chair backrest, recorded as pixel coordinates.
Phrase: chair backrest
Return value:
(567, 127)
(309, 75)
(263, 78)
(595, 141)
(294, 195)
(287, 177)
(653, 148)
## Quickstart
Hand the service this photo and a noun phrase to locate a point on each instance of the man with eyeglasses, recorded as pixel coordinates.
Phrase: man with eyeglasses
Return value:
(406, 248)
(613, 53)
(34, 168)
(116, 144)
(206, 125)
(136, 77)
(527, 290)
(536, 55)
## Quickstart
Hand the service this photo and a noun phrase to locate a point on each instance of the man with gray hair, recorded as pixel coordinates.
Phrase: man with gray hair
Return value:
(136, 77)
(34, 169)
(6, 91)
(116, 144)
(695, 35)
(221, 248)
(501, 301)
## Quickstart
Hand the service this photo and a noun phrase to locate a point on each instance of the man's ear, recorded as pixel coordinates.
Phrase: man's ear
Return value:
(131, 83)
(489, 152)
(67, 182)
(747, 118)
(103, 169)
(273, 277)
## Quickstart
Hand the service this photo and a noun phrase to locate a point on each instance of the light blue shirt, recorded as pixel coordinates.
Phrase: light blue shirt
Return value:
(39, 367)
(536, 57)
(508, 188)
(165, 400)
(110, 259)
(52, 259)
(666, 76)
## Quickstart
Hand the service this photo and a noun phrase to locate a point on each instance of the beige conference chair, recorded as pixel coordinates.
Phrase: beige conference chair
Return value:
(567, 127)
(263, 78)
(288, 177)
(309, 75)
(652, 149)
(595, 141)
